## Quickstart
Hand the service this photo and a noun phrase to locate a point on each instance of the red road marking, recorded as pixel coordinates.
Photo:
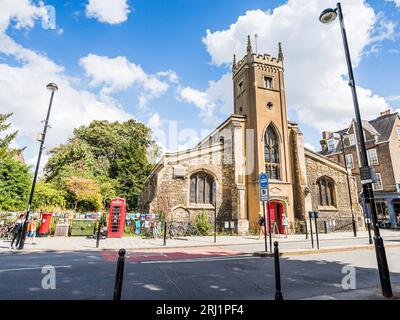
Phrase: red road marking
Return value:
(170, 254)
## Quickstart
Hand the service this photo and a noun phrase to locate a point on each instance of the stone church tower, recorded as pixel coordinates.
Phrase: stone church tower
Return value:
(259, 94)
(220, 175)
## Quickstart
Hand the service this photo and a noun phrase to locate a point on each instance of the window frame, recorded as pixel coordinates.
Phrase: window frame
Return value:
(373, 161)
(272, 158)
(240, 87)
(271, 82)
(352, 139)
(378, 186)
(324, 185)
(334, 144)
(352, 161)
(202, 182)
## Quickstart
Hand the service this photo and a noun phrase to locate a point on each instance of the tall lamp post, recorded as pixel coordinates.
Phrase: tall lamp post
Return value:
(52, 87)
(353, 220)
(366, 172)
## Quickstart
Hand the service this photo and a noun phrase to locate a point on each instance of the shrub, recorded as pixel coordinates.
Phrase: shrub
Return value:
(202, 224)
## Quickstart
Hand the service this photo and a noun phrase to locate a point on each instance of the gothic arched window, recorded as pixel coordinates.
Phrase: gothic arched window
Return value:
(271, 154)
(201, 188)
(326, 191)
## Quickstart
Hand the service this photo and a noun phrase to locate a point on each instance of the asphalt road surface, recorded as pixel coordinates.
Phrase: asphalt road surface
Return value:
(202, 273)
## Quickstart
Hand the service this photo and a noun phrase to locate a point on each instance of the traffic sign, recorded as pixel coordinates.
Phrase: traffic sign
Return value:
(264, 195)
(264, 180)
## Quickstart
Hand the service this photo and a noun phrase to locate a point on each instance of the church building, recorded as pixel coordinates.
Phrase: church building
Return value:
(221, 174)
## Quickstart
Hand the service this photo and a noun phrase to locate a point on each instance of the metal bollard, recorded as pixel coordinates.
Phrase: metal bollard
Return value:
(165, 234)
(311, 233)
(119, 275)
(326, 226)
(305, 223)
(278, 292)
(98, 235)
(316, 230)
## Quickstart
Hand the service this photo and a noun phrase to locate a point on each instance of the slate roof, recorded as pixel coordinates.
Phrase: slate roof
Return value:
(381, 126)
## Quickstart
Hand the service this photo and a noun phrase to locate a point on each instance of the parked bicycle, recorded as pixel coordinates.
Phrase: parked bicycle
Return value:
(5, 232)
(182, 229)
(155, 229)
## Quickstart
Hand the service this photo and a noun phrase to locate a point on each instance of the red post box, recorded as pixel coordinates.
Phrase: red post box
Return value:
(116, 218)
(45, 224)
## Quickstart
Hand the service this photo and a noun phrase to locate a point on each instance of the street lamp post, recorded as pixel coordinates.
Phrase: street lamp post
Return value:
(52, 87)
(353, 220)
(327, 16)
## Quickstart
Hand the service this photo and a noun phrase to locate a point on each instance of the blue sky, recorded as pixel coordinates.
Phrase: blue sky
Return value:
(167, 57)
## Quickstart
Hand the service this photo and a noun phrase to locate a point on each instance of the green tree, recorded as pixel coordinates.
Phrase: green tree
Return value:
(15, 181)
(85, 193)
(8, 138)
(114, 155)
(48, 197)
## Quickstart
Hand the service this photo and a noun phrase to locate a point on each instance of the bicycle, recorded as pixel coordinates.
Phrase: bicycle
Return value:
(156, 230)
(5, 232)
(176, 229)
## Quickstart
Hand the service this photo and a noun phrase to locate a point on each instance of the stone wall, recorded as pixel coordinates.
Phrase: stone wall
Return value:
(318, 166)
(214, 157)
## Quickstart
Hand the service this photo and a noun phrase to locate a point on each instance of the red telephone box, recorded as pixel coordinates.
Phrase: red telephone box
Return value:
(116, 218)
(45, 224)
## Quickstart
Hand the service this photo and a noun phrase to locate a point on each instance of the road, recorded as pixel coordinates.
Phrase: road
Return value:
(191, 273)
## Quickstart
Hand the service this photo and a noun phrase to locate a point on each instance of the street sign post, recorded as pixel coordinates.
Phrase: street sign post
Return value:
(214, 189)
(264, 197)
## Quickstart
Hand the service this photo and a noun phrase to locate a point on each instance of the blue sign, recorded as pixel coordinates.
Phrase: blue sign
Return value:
(264, 180)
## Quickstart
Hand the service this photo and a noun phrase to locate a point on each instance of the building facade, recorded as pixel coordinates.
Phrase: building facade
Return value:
(382, 136)
(222, 172)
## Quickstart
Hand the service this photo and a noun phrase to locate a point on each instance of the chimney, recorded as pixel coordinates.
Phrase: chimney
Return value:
(385, 113)
(326, 135)
(324, 145)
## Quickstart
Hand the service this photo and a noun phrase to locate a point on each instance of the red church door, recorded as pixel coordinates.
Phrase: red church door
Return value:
(276, 211)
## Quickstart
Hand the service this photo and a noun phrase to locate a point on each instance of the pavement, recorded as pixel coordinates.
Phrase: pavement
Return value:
(197, 268)
(296, 244)
(195, 273)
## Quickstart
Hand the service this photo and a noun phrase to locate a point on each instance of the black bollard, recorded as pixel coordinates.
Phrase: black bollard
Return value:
(311, 233)
(119, 275)
(98, 235)
(326, 226)
(278, 290)
(369, 231)
(316, 228)
(165, 233)
(305, 223)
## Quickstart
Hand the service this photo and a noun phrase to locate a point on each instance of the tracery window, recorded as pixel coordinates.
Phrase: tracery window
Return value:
(271, 154)
(201, 188)
(326, 191)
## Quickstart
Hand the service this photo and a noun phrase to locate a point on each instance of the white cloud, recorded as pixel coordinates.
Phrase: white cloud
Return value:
(315, 66)
(216, 99)
(21, 12)
(170, 75)
(112, 12)
(393, 98)
(155, 122)
(117, 74)
(309, 146)
(23, 92)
